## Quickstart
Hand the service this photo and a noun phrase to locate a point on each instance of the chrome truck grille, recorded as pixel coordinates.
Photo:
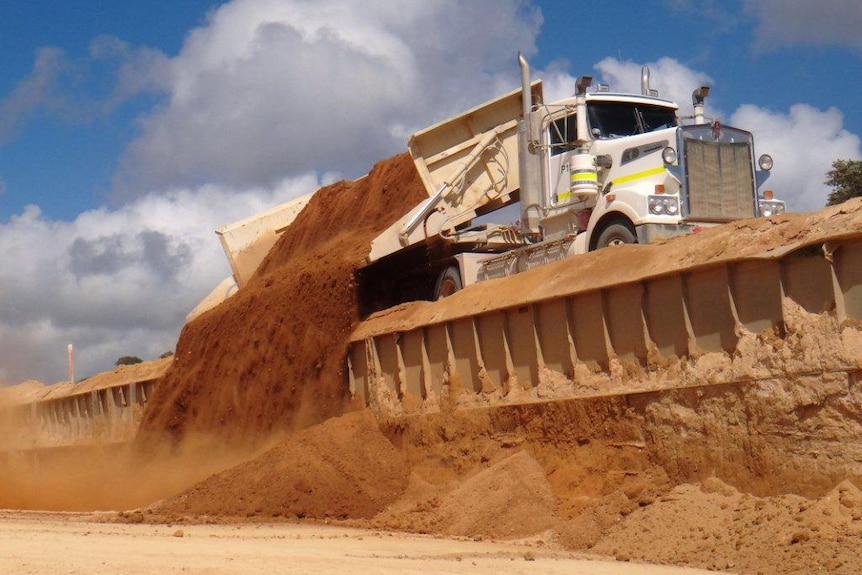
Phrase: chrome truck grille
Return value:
(719, 176)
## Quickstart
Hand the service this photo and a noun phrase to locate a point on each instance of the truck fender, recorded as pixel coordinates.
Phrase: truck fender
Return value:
(620, 212)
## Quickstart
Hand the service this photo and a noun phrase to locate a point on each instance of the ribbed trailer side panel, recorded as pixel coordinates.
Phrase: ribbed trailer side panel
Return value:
(654, 330)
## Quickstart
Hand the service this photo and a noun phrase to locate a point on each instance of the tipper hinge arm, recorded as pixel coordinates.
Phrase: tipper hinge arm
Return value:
(420, 216)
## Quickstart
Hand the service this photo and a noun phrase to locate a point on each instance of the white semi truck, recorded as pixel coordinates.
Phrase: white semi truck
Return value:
(589, 171)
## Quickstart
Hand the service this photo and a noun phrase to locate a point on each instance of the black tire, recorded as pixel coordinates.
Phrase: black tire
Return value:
(448, 283)
(616, 235)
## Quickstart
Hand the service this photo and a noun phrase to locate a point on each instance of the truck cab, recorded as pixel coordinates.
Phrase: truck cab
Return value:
(654, 176)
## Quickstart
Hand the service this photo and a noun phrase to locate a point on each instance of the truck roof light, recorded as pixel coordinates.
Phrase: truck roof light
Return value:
(603, 88)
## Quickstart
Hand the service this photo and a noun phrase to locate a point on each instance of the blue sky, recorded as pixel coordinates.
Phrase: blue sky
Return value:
(55, 159)
(130, 131)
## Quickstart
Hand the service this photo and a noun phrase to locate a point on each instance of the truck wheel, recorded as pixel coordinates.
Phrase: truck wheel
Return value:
(616, 235)
(448, 283)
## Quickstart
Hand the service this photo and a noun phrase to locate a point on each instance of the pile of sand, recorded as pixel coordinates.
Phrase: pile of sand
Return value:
(511, 498)
(599, 483)
(714, 526)
(270, 358)
(342, 468)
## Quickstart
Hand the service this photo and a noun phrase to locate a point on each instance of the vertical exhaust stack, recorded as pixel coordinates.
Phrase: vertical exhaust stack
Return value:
(697, 99)
(645, 87)
(528, 168)
(526, 93)
(581, 86)
(645, 81)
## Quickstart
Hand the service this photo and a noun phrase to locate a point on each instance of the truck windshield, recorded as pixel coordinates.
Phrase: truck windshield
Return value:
(615, 119)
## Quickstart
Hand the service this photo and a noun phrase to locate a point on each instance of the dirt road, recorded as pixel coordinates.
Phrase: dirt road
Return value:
(49, 543)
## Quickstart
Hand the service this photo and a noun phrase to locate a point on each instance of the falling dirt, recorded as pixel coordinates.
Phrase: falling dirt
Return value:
(758, 477)
(269, 359)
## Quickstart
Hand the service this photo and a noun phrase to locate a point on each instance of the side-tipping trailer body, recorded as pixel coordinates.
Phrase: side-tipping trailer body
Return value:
(592, 170)
(566, 335)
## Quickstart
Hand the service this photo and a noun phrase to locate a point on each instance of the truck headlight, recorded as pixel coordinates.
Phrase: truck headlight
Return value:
(663, 205)
(765, 162)
(771, 207)
(668, 155)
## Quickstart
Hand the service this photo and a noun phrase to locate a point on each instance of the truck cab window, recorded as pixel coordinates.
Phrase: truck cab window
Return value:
(616, 119)
(562, 134)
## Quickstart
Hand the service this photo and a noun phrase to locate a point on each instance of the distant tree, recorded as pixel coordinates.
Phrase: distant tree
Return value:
(166, 354)
(128, 360)
(845, 177)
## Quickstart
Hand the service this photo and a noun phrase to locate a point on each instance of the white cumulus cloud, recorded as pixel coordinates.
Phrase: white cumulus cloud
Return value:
(269, 88)
(115, 282)
(807, 22)
(804, 142)
(673, 80)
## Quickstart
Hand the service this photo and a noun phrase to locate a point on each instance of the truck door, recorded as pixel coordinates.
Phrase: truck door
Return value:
(562, 134)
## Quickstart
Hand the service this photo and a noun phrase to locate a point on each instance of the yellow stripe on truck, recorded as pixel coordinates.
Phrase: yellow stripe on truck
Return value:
(638, 175)
(584, 175)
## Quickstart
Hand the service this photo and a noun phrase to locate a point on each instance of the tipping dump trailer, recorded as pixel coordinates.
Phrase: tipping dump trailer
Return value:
(592, 171)
(583, 173)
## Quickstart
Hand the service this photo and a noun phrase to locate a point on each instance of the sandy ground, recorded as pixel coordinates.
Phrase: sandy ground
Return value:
(42, 543)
